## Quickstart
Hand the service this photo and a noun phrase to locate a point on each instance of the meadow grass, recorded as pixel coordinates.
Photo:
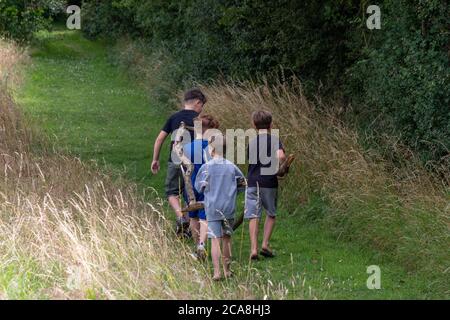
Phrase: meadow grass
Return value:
(70, 229)
(94, 111)
(400, 211)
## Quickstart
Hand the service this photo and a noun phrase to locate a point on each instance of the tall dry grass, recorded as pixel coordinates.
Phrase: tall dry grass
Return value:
(401, 209)
(67, 230)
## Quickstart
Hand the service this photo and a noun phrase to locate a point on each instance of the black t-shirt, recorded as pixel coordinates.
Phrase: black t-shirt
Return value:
(173, 123)
(263, 161)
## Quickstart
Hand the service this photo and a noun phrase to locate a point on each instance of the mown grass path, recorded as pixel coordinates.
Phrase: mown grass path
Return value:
(94, 111)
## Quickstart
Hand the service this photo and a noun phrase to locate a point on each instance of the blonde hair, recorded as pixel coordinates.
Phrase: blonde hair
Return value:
(218, 144)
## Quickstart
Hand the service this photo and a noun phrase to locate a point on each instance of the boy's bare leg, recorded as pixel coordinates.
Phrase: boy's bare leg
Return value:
(203, 231)
(226, 248)
(215, 255)
(253, 229)
(174, 202)
(268, 229)
(195, 229)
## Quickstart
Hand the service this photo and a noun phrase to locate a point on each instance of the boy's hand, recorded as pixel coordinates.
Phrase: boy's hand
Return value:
(155, 166)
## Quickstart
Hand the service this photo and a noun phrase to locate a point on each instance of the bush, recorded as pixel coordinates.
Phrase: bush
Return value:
(405, 76)
(105, 19)
(211, 37)
(20, 19)
(396, 77)
(400, 210)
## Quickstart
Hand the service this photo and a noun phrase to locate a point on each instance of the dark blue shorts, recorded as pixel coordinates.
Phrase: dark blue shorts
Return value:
(198, 214)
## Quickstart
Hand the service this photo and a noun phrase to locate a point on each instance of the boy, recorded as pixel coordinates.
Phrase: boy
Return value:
(197, 154)
(265, 153)
(194, 100)
(217, 179)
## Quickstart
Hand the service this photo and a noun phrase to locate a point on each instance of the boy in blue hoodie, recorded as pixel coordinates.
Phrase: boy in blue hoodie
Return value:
(217, 180)
(197, 154)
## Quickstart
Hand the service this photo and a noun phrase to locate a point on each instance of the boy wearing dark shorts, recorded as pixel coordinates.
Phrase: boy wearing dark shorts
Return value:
(194, 100)
(265, 152)
(198, 155)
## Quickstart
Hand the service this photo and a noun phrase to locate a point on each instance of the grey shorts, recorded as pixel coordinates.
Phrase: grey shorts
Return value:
(174, 180)
(259, 198)
(219, 228)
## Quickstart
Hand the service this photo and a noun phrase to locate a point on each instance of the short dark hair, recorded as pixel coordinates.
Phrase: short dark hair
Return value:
(262, 119)
(194, 94)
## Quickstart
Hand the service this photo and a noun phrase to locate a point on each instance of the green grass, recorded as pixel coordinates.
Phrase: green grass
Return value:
(90, 107)
(93, 110)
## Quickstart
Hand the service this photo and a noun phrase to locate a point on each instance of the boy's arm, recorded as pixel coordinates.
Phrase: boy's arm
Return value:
(281, 155)
(237, 172)
(201, 181)
(240, 179)
(157, 149)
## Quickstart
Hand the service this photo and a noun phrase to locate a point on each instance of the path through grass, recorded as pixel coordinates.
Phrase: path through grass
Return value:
(94, 111)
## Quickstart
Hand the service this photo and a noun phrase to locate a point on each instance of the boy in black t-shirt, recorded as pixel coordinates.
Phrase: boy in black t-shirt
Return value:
(194, 100)
(265, 152)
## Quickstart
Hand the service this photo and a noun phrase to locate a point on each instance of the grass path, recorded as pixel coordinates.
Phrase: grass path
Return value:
(94, 111)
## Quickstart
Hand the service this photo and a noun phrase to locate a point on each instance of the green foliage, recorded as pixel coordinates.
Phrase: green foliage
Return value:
(105, 19)
(20, 19)
(210, 37)
(405, 75)
(98, 114)
(397, 76)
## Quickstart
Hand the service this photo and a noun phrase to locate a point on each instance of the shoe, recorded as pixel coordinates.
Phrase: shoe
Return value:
(187, 234)
(254, 257)
(182, 228)
(179, 226)
(187, 228)
(201, 252)
(267, 253)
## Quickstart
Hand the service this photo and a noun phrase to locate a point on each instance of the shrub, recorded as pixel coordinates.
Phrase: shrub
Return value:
(397, 76)
(400, 210)
(405, 76)
(20, 19)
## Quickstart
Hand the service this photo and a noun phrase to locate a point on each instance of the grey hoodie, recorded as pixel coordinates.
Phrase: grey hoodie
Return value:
(217, 179)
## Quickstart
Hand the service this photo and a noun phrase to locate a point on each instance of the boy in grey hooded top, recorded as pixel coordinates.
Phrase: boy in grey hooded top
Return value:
(217, 180)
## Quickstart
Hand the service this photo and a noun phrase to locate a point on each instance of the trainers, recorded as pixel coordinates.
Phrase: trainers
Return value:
(187, 234)
(267, 253)
(179, 226)
(186, 228)
(182, 228)
(201, 252)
